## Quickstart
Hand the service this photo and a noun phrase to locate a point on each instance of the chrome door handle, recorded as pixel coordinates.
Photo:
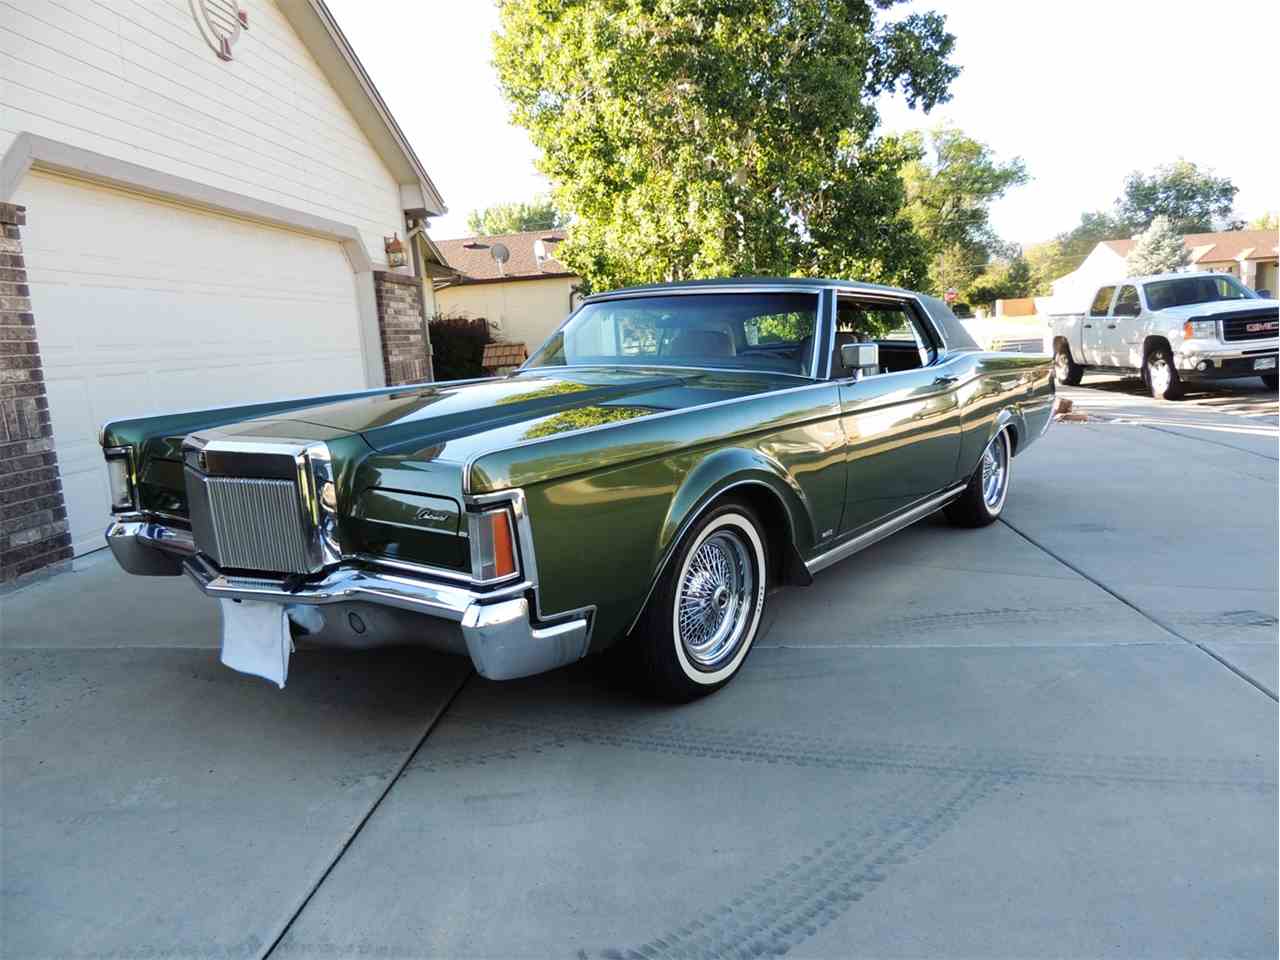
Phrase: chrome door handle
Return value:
(944, 381)
(1111, 326)
(1088, 326)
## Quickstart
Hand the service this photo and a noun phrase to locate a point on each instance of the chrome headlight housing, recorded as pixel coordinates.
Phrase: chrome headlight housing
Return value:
(122, 479)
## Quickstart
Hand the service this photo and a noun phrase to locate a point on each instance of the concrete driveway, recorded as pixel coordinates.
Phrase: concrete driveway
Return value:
(1054, 736)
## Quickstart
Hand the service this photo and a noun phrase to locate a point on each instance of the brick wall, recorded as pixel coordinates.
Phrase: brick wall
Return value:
(33, 516)
(406, 351)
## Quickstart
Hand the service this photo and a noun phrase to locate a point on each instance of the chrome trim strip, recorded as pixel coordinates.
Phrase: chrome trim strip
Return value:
(470, 461)
(677, 290)
(629, 368)
(878, 533)
(167, 539)
(409, 567)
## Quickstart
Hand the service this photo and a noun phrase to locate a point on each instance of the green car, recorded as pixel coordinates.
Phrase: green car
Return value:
(666, 458)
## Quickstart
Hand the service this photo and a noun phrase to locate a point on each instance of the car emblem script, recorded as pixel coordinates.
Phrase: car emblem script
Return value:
(432, 516)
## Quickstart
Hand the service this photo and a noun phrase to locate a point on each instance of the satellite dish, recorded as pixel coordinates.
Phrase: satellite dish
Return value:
(501, 255)
(539, 251)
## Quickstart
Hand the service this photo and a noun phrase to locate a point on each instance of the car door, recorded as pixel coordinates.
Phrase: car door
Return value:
(1121, 328)
(902, 426)
(1095, 325)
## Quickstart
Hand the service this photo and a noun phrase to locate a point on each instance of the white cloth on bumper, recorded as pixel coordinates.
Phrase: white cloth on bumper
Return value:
(256, 640)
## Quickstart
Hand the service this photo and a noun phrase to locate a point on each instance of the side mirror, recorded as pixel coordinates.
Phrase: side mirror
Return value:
(862, 358)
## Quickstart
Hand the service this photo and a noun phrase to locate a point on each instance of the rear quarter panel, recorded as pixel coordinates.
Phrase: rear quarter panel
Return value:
(1006, 388)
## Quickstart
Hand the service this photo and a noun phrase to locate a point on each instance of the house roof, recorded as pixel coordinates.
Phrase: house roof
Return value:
(472, 257)
(320, 33)
(502, 354)
(1218, 247)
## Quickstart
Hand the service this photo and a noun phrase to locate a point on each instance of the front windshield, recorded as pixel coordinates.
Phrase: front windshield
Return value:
(753, 331)
(1184, 291)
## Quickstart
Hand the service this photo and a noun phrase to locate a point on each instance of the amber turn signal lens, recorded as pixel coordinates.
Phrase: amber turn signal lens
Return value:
(493, 548)
(504, 551)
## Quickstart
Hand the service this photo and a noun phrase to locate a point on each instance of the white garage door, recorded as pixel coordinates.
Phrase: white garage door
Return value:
(144, 306)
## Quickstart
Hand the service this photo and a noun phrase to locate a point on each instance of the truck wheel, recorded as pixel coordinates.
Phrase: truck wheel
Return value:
(705, 613)
(1270, 381)
(1161, 375)
(1066, 370)
(983, 499)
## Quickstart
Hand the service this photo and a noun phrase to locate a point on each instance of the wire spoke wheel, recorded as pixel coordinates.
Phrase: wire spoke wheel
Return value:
(995, 471)
(714, 599)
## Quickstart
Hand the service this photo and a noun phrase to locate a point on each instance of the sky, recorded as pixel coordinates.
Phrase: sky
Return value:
(1084, 92)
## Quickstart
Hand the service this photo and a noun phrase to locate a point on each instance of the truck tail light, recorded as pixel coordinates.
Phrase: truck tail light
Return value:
(493, 546)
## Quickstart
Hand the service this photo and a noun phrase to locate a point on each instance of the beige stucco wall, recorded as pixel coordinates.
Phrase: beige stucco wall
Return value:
(523, 310)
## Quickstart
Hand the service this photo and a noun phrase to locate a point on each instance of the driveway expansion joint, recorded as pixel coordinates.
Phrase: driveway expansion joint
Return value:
(364, 820)
(1159, 623)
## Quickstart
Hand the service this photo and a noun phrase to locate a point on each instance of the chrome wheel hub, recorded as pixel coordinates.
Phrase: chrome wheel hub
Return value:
(714, 600)
(995, 471)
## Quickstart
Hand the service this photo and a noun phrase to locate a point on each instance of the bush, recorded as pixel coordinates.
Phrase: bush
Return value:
(457, 346)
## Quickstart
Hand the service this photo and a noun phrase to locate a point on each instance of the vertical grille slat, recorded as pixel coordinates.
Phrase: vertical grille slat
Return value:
(249, 524)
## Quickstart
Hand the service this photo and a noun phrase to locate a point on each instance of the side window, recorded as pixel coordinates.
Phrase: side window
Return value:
(1101, 302)
(894, 327)
(1127, 304)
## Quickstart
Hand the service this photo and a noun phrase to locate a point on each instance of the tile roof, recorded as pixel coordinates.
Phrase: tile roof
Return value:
(498, 355)
(1218, 247)
(472, 257)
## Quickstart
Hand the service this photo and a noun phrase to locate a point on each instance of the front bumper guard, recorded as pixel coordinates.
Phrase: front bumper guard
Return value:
(1225, 363)
(498, 629)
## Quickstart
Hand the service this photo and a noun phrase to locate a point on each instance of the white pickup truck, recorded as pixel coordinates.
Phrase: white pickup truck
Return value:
(1170, 329)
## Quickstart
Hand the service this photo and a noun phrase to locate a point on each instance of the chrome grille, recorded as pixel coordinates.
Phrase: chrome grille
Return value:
(249, 524)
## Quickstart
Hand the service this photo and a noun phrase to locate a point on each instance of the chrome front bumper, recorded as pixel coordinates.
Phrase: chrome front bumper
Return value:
(497, 627)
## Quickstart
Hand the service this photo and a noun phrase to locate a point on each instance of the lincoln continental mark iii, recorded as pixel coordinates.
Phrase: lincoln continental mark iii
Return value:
(665, 459)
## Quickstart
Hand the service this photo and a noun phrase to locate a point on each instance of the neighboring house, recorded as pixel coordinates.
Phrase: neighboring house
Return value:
(525, 298)
(213, 192)
(1250, 255)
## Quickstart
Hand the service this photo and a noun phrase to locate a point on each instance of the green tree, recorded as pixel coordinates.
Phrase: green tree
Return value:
(950, 188)
(703, 138)
(1267, 221)
(1002, 280)
(1189, 197)
(1158, 249)
(538, 214)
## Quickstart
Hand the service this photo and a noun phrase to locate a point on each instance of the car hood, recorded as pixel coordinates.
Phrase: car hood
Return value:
(523, 406)
(1219, 307)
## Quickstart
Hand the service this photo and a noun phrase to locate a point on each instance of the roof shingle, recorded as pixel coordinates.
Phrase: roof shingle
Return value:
(472, 257)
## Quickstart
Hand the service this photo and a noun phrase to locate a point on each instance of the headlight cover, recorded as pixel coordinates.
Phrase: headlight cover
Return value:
(1200, 330)
(124, 491)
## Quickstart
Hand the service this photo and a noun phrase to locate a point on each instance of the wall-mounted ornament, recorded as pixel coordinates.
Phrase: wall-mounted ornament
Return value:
(220, 23)
(395, 251)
